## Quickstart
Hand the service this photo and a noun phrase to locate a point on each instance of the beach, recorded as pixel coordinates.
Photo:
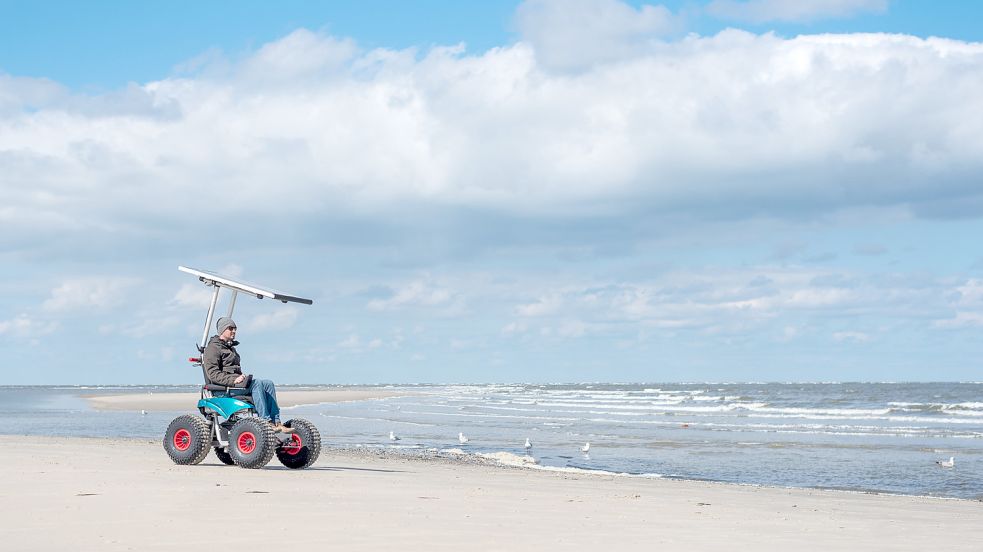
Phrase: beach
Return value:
(124, 494)
(865, 437)
(187, 401)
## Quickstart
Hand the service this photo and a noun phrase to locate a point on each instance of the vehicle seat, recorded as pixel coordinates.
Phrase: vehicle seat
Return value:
(210, 389)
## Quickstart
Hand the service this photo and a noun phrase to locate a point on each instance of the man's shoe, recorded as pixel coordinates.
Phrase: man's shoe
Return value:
(280, 428)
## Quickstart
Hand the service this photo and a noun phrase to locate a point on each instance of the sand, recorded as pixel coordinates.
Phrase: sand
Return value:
(187, 401)
(94, 494)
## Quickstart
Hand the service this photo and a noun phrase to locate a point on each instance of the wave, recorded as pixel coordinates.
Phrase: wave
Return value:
(576, 411)
(472, 415)
(755, 408)
(511, 459)
(958, 409)
(379, 419)
(508, 458)
(594, 471)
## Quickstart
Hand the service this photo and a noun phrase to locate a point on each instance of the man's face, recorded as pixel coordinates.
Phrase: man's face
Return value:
(228, 334)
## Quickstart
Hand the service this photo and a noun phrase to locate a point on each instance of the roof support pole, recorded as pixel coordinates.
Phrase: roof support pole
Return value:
(208, 319)
(232, 304)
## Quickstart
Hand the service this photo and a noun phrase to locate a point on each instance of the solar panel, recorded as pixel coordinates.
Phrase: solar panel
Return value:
(233, 283)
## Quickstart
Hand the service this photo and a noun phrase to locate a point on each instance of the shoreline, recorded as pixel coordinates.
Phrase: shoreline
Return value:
(447, 456)
(181, 400)
(121, 494)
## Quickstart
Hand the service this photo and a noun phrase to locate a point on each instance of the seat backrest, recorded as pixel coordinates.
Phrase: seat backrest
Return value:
(209, 387)
(201, 362)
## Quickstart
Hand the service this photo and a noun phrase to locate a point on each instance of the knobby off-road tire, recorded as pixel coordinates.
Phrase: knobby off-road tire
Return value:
(188, 439)
(225, 457)
(251, 442)
(303, 448)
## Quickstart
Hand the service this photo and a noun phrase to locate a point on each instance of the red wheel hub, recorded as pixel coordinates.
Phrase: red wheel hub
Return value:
(295, 445)
(182, 439)
(246, 442)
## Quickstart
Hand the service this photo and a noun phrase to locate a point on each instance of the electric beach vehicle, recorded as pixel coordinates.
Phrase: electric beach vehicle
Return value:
(229, 424)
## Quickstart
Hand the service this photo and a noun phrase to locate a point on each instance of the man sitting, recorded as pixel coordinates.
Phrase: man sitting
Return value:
(221, 363)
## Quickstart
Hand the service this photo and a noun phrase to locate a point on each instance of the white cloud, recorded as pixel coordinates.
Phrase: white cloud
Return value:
(783, 302)
(961, 320)
(397, 340)
(350, 342)
(280, 319)
(571, 329)
(355, 344)
(420, 293)
(575, 34)
(92, 292)
(23, 326)
(967, 302)
(164, 354)
(799, 11)
(541, 307)
(198, 295)
(299, 56)
(851, 337)
(19, 92)
(231, 270)
(193, 295)
(736, 123)
(146, 327)
(970, 294)
(514, 328)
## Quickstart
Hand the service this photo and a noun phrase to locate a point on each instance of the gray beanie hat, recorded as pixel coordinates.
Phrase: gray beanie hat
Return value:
(223, 323)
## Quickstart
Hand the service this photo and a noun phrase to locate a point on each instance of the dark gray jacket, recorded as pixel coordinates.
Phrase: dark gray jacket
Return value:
(221, 362)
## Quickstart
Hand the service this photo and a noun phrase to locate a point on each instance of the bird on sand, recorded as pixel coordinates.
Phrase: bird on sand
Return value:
(528, 445)
(393, 437)
(462, 439)
(950, 463)
(586, 448)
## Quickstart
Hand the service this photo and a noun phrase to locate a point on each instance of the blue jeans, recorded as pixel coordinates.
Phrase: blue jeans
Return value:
(264, 398)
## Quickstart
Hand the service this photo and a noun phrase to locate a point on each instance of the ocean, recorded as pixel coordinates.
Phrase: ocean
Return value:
(864, 437)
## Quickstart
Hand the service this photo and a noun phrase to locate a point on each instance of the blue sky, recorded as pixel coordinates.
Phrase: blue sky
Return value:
(585, 190)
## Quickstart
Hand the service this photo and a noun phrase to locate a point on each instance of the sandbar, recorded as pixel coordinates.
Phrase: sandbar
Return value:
(101, 494)
(184, 401)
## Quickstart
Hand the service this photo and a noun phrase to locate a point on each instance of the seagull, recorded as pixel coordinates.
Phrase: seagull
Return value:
(586, 448)
(393, 437)
(950, 463)
(528, 445)
(144, 412)
(462, 439)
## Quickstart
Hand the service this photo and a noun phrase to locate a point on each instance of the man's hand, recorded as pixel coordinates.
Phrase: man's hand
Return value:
(239, 379)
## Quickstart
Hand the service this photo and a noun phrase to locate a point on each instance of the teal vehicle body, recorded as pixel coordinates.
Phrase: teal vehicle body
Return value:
(224, 406)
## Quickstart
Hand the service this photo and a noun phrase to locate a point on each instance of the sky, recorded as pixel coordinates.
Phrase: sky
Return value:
(499, 191)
